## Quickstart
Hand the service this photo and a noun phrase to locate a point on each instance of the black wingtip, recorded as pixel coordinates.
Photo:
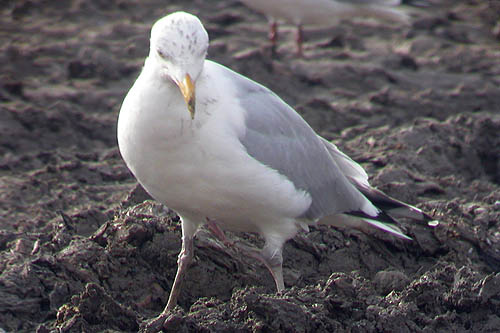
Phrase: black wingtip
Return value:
(382, 216)
(390, 205)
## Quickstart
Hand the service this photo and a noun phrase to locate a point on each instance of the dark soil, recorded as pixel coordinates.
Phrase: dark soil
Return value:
(417, 106)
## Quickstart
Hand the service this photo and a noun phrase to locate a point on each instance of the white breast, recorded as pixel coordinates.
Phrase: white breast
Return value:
(199, 166)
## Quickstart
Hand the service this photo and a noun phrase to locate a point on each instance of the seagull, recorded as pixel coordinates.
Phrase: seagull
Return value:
(224, 151)
(323, 13)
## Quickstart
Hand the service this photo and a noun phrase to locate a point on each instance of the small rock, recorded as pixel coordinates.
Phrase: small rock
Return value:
(490, 287)
(387, 281)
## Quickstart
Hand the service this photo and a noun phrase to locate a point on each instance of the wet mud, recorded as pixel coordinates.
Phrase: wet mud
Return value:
(84, 249)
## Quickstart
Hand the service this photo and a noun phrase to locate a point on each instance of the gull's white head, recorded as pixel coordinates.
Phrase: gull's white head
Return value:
(179, 44)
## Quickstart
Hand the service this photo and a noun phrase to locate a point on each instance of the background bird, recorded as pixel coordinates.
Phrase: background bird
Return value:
(325, 13)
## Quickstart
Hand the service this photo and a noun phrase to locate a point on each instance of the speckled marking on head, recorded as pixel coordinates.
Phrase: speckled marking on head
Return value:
(179, 37)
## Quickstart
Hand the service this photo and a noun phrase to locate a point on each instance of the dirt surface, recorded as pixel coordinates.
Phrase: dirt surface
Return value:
(417, 106)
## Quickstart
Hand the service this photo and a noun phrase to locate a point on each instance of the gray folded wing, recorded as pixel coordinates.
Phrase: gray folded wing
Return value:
(352, 170)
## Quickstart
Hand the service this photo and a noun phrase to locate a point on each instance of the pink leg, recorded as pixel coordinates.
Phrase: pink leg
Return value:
(272, 258)
(273, 36)
(183, 262)
(273, 33)
(218, 233)
(299, 38)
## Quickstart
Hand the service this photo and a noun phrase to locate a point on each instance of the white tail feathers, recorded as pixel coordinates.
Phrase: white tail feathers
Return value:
(391, 228)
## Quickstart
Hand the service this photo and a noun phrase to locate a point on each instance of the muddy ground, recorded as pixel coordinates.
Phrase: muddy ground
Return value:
(418, 106)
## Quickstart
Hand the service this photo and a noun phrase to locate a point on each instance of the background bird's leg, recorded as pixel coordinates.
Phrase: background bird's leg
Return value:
(273, 33)
(299, 38)
(183, 261)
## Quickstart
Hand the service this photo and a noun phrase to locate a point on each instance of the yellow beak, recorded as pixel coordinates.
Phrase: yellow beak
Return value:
(188, 92)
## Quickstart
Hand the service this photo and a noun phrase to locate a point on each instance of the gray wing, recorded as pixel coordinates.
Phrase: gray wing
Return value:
(350, 169)
(279, 137)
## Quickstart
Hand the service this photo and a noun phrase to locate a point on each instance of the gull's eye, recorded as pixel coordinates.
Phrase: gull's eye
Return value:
(161, 54)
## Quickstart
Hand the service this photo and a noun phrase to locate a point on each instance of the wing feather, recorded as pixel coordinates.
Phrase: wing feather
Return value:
(279, 137)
